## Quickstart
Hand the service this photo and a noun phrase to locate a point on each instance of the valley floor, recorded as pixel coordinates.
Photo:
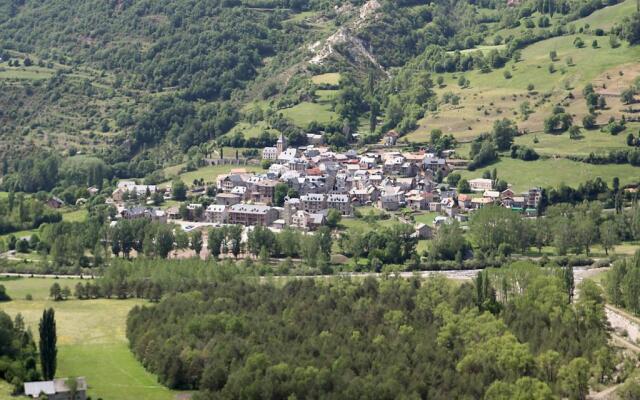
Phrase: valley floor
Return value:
(91, 341)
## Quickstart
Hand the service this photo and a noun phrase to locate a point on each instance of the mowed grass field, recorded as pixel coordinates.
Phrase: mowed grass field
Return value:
(426, 218)
(91, 340)
(208, 173)
(304, 113)
(330, 78)
(79, 215)
(320, 110)
(250, 131)
(592, 141)
(20, 234)
(32, 73)
(365, 226)
(553, 172)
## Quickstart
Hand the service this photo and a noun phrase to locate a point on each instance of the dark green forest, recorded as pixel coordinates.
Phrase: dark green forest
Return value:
(206, 48)
(382, 339)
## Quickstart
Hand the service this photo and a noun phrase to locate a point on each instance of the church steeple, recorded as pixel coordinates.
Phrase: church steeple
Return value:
(282, 143)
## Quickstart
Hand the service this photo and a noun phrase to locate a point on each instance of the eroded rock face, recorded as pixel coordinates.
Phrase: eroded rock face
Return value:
(345, 43)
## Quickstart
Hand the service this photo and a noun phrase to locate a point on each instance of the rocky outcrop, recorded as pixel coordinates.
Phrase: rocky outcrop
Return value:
(344, 44)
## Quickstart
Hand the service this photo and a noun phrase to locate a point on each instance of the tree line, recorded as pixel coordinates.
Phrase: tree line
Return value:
(20, 212)
(499, 232)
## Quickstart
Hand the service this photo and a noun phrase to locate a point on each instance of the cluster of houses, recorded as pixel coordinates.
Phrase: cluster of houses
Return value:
(318, 180)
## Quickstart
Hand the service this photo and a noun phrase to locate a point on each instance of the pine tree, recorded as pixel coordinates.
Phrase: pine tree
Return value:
(48, 350)
(480, 290)
(568, 280)
(486, 294)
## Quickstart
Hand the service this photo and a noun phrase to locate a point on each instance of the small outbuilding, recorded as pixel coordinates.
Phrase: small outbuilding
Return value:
(57, 389)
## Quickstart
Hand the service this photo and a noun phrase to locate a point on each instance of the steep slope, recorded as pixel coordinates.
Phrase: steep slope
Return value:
(345, 45)
(81, 75)
(145, 84)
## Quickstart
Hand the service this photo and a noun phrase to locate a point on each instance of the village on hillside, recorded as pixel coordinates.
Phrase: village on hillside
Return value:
(302, 185)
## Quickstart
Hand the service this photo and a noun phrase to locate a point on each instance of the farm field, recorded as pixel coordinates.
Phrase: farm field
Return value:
(365, 226)
(330, 78)
(592, 141)
(248, 130)
(75, 215)
(20, 234)
(326, 95)
(304, 113)
(553, 172)
(23, 73)
(99, 350)
(208, 173)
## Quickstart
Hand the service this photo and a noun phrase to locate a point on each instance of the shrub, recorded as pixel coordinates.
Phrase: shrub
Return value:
(615, 127)
(574, 133)
(602, 102)
(589, 121)
(558, 123)
(627, 96)
(614, 42)
(524, 153)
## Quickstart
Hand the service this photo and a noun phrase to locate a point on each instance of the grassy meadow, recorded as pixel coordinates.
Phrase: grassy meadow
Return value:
(592, 141)
(91, 340)
(366, 226)
(553, 172)
(208, 173)
(250, 130)
(330, 78)
(31, 73)
(79, 215)
(426, 218)
(491, 96)
(304, 113)
(20, 234)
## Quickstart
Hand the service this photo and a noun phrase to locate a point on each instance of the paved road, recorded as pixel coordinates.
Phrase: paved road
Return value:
(579, 272)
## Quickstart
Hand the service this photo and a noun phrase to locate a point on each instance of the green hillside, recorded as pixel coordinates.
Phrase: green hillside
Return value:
(490, 96)
(146, 86)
